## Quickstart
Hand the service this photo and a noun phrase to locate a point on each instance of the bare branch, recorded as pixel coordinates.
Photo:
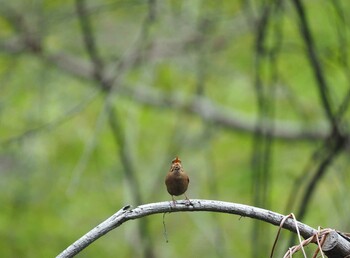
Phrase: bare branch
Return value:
(91, 45)
(203, 107)
(227, 118)
(126, 214)
(315, 63)
(332, 149)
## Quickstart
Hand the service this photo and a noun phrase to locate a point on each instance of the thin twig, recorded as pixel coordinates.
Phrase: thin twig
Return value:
(299, 237)
(279, 230)
(164, 227)
(315, 63)
(61, 119)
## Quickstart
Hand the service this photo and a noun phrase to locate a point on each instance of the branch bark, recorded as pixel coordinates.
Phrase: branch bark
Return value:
(128, 213)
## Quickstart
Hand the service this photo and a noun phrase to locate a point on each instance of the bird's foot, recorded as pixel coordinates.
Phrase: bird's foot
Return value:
(174, 202)
(188, 202)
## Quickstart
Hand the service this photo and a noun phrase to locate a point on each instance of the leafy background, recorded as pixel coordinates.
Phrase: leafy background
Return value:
(98, 97)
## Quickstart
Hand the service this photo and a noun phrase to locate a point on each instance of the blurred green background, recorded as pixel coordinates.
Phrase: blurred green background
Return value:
(97, 98)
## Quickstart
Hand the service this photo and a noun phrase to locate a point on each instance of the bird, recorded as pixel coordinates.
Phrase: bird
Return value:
(177, 180)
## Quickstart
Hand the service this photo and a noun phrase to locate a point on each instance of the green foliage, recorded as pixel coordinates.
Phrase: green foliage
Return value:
(60, 164)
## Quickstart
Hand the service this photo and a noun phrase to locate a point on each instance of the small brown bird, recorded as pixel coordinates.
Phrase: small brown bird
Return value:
(176, 180)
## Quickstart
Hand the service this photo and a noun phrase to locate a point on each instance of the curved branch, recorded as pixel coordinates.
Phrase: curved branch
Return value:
(126, 214)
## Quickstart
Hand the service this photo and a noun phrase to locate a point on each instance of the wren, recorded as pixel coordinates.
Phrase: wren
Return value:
(177, 180)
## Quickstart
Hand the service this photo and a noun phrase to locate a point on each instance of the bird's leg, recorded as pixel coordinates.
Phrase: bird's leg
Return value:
(189, 202)
(186, 197)
(172, 197)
